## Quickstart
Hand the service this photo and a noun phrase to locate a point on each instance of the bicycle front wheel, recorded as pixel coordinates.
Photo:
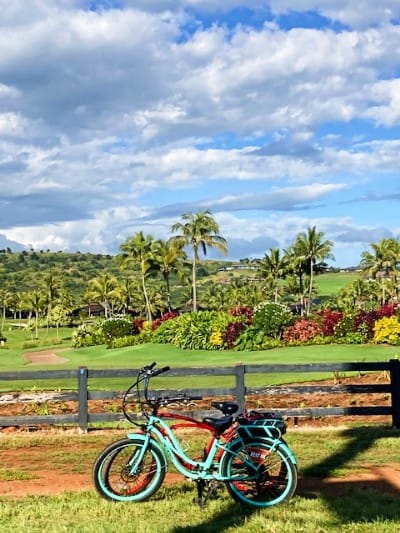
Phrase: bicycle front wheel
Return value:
(260, 473)
(120, 475)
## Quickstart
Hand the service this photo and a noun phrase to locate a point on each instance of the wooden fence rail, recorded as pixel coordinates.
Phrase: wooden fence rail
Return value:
(83, 393)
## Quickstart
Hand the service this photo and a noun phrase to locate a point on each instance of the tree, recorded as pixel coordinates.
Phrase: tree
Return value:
(383, 263)
(199, 231)
(170, 257)
(312, 249)
(102, 290)
(35, 301)
(51, 287)
(125, 291)
(6, 298)
(140, 252)
(273, 267)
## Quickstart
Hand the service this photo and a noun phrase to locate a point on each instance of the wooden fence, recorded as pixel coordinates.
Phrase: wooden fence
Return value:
(83, 393)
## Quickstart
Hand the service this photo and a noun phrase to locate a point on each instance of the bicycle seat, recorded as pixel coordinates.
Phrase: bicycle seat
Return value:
(228, 408)
(220, 424)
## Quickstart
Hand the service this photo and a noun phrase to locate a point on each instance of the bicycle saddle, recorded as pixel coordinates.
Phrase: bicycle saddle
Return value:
(219, 424)
(228, 408)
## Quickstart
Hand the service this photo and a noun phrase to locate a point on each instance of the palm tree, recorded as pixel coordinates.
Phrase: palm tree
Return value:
(313, 249)
(124, 293)
(140, 252)
(35, 301)
(6, 298)
(51, 285)
(170, 257)
(273, 267)
(297, 278)
(199, 231)
(383, 262)
(102, 290)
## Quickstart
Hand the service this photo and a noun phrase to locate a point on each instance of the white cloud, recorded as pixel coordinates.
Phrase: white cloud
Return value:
(107, 117)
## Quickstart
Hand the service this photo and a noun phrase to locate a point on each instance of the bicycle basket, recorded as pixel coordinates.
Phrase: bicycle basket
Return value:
(261, 424)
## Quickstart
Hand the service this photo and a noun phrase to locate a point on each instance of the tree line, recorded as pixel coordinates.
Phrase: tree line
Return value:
(149, 276)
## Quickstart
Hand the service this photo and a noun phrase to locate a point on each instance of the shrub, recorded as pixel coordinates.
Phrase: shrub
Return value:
(303, 330)
(328, 320)
(387, 330)
(194, 331)
(137, 325)
(272, 318)
(88, 335)
(166, 316)
(121, 342)
(344, 326)
(253, 338)
(116, 327)
(243, 313)
(232, 332)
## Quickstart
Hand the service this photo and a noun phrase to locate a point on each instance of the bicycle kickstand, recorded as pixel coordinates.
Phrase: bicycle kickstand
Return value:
(200, 500)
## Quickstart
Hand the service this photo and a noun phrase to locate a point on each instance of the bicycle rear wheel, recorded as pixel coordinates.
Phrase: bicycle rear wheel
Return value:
(117, 474)
(262, 474)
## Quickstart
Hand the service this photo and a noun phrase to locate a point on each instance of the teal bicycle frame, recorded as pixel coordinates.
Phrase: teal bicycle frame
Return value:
(160, 434)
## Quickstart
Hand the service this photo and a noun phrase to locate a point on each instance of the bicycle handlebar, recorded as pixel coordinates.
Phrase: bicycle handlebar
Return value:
(160, 371)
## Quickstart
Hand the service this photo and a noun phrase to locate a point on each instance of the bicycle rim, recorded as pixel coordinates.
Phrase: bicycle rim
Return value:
(262, 475)
(118, 475)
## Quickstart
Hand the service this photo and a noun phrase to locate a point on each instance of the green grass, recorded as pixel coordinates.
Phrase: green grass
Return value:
(99, 357)
(360, 507)
(330, 284)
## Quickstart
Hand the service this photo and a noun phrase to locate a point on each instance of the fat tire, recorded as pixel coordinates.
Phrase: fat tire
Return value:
(277, 474)
(112, 479)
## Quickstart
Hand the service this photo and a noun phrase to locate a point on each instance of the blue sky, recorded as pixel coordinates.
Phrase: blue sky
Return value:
(120, 116)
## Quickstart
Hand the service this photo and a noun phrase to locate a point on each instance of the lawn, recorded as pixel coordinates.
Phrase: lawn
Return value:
(348, 505)
(330, 284)
(99, 357)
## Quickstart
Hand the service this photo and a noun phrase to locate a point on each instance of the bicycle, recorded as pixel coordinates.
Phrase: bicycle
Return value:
(245, 452)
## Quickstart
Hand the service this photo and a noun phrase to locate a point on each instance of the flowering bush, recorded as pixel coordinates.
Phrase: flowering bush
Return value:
(303, 330)
(116, 327)
(387, 329)
(367, 319)
(216, 339)
(272, 318)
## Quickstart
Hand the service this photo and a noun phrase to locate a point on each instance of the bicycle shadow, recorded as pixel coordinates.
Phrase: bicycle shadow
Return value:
(354, 499)
(233, 515)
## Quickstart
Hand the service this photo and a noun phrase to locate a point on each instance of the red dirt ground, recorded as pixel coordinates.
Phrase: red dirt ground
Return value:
(54, 479)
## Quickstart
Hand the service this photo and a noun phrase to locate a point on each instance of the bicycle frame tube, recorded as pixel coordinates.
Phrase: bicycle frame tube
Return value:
(158, 430)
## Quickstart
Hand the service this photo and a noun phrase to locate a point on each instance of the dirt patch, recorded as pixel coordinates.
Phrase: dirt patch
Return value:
(55, 403)
(45, 357)
(49, 471)
(52, 471)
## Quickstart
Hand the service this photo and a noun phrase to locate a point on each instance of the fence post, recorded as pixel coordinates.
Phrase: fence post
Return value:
(240, 387)
(83, 398)
(395, 391)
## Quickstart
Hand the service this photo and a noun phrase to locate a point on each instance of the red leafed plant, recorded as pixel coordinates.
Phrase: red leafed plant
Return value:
(302, 330)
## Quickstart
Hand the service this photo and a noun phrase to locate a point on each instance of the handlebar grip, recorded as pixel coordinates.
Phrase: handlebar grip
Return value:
(195, 398)
(160, 371)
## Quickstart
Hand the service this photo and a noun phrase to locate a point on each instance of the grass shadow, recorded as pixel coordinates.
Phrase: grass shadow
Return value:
(358, 497)
(232, 515)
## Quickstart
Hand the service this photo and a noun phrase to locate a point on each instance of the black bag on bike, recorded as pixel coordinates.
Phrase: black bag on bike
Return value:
(261, 424)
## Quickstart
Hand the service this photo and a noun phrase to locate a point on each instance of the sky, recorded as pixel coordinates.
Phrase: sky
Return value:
(275, 115)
